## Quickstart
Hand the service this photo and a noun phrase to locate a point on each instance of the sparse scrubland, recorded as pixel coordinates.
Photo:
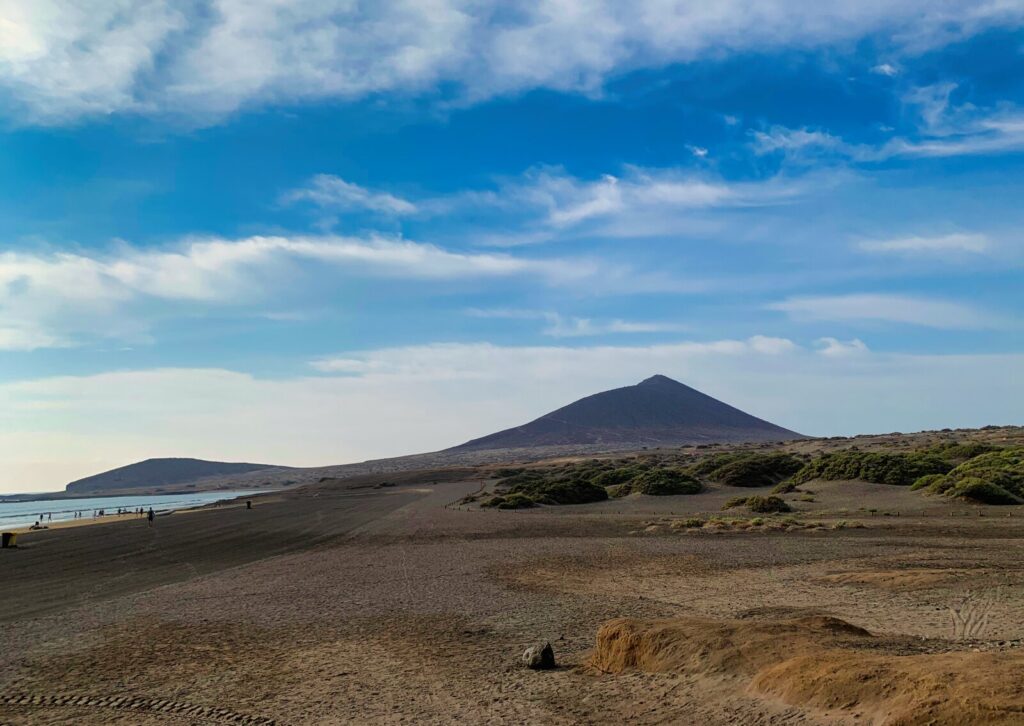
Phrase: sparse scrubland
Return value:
(976, 471)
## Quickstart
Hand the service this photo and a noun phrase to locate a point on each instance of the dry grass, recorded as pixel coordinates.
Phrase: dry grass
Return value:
(825, 664)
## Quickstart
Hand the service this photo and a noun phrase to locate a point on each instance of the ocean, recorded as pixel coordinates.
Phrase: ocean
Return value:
(19, 514)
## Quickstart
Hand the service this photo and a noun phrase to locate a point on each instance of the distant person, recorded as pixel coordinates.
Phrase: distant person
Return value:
(151, 516)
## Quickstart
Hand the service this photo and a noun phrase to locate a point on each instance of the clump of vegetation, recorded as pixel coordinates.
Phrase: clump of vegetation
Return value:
(995, 477)
(749, 469)
(961, 451)
(979, 490)
(926, 481)
(689, 523)
(806, 497)
(759, 504)
(619, 475)
(784, 487)
(509, 501)
(881, 468)
(552, 485)
(666, 482)
(617, 491)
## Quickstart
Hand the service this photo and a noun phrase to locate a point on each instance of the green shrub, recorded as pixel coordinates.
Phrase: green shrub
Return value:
(705, 466)
(565, 492)
(759, 504)
(764, 505)
(515, 501)
(1004, 468)
(881, 468)
(756, 470)
(619, 475)
(617, 491)
(993, 477)
(493, 501)
(666, 482)
(806, 497)
(962, 451)
(784, 487)
(734, 502)
(979, 490)
(923, 482)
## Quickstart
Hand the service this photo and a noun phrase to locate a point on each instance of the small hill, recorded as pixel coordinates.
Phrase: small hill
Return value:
(159, 472)
(655, 412)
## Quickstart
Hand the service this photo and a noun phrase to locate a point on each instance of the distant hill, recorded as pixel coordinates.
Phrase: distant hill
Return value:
(159, 472)
(656, 412)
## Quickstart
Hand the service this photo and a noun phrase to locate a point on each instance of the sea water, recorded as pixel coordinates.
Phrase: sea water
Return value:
(20, 514)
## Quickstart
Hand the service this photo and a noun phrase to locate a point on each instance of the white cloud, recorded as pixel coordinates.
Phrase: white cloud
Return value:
(569, 326)
(834, 347)
(919, 246)
(549, 202)
(53, 299)
(796, 141)
(905, 309)
(885, 69)
(330, 192)
(419, 398)
(62, 60)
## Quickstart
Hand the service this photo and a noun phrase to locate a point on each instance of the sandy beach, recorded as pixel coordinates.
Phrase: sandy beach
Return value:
(337, 605)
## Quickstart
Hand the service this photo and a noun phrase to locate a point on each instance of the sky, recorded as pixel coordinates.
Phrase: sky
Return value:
(310, 233)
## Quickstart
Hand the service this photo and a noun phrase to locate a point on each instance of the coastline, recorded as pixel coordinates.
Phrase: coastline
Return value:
(230, 501)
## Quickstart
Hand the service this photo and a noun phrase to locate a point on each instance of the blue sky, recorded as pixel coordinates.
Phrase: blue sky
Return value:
(332, 231)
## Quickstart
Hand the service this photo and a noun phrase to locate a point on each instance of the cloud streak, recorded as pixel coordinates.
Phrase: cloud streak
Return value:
(54, 299)
(61, 60)
(886, 308)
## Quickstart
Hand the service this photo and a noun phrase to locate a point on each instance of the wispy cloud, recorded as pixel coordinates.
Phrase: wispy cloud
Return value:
(52, 299)
(943, 130)
(61, 60)
(942, 245)
(570, 326)
(332, 193)
(928, 312)
(835, 348)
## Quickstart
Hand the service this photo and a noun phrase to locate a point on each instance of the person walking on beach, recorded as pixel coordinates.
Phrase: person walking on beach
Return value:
(151, 516)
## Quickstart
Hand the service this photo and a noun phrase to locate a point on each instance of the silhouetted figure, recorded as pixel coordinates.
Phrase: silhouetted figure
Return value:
(151, 516)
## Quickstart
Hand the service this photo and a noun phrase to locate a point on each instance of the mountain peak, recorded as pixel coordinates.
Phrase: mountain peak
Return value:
(656, 379)
(658, 411)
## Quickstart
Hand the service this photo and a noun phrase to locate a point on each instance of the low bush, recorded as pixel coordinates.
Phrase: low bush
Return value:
(979, 490)
(516, 501)
(617, 491)
(1004, 468)
(881, 468)
(756, 470)
(923, 482)
(961, 451)
(619, 475)
(666, 482)
(759, 504)
(994, 477)
(765, 505)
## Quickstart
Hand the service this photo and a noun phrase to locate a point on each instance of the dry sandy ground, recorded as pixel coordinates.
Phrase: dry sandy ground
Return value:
(335, 606)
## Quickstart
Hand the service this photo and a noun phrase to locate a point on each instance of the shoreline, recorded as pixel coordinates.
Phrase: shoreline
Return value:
(25, 529)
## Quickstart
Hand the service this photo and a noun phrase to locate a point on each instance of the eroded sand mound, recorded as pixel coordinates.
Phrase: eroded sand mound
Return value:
(826, 664)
